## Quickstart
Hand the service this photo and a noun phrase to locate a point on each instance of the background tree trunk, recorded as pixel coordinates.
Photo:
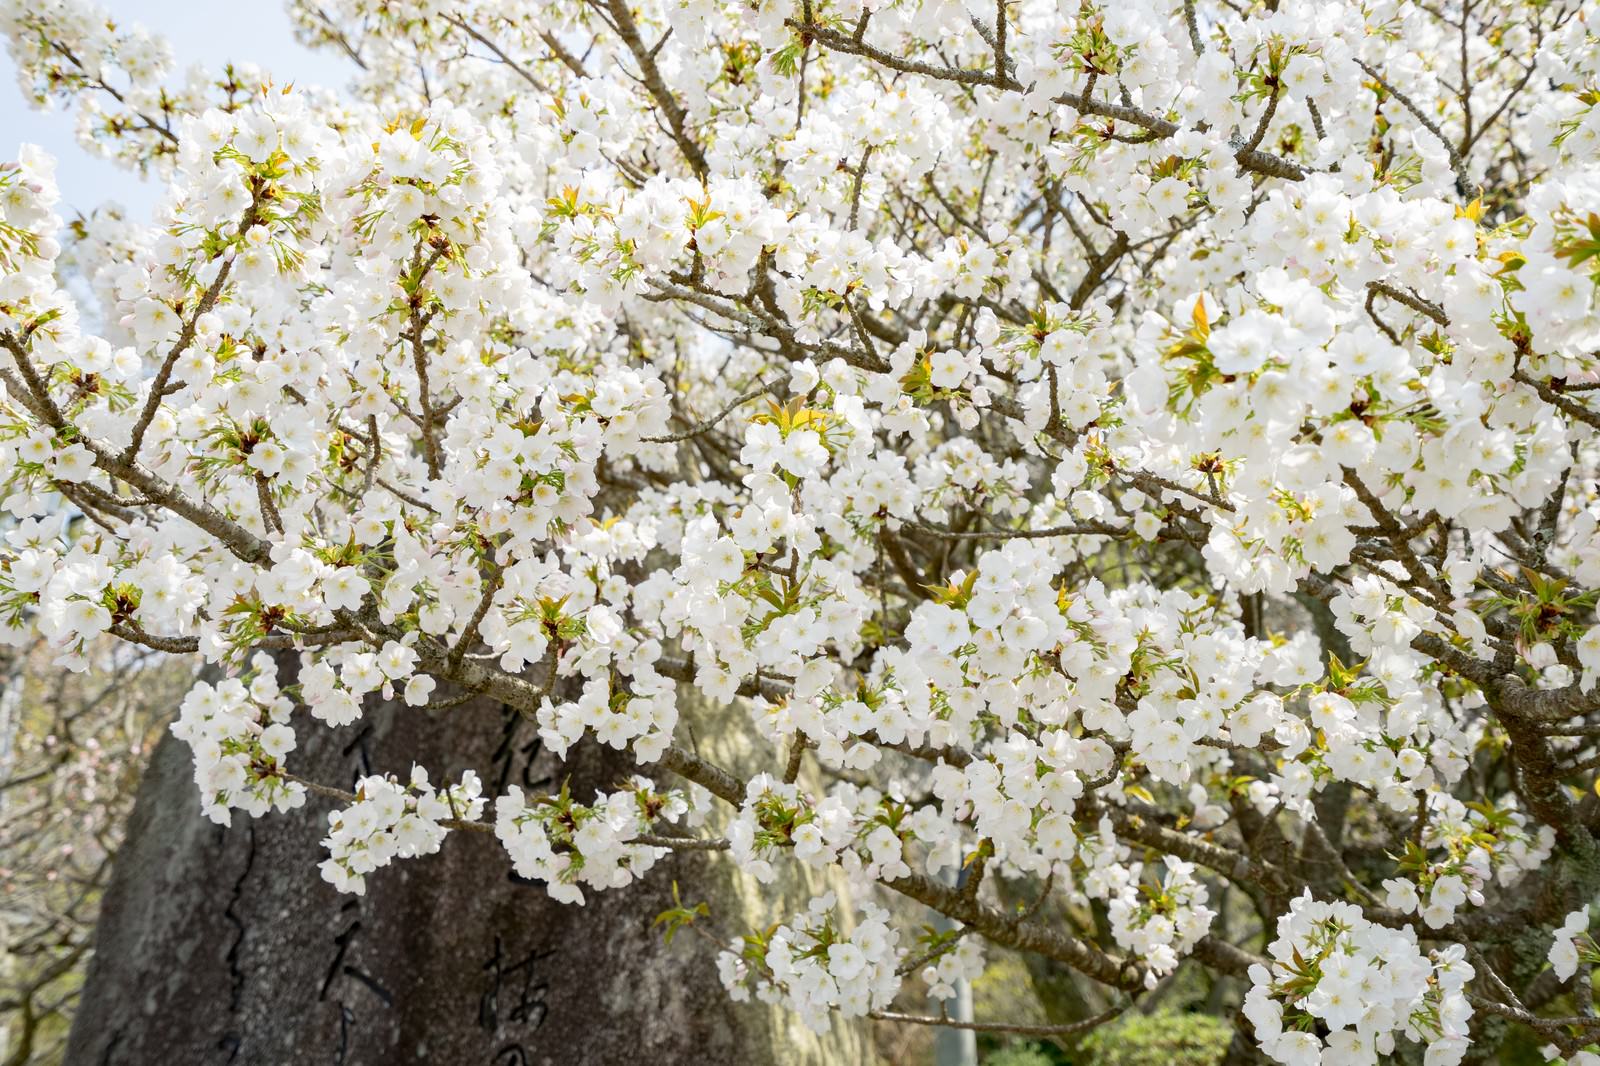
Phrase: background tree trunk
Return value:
(225, 946)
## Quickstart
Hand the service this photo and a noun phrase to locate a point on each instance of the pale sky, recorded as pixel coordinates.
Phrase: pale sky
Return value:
(252, 32)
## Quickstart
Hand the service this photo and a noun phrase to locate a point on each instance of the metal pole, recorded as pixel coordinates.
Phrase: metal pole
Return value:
(956, 1047)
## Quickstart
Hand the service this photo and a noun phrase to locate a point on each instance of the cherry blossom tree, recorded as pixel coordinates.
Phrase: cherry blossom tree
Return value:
(71, 747)
(1135, 454)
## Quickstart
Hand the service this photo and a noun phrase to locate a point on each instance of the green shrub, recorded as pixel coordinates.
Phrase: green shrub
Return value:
(1162, 1039)
(1019, 1055)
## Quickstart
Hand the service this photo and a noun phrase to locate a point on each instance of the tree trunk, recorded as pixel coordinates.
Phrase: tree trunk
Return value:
(225, 945)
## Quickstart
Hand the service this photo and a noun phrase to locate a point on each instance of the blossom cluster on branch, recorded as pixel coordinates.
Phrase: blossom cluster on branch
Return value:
(1128, 460)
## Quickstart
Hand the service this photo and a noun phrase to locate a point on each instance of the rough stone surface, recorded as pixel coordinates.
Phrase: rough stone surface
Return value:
(225, 946)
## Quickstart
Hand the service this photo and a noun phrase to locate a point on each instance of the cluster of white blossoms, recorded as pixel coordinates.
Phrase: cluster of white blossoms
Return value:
(775, 816)
(953, 965)
(393, 820)
(816, 968)
(1158, 921)
(1482, 844)
(1364, 984)
(567, 844)
(1565, 950)
(240, 736)
(1135, 458)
